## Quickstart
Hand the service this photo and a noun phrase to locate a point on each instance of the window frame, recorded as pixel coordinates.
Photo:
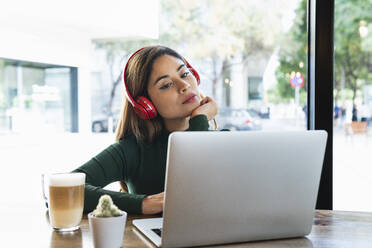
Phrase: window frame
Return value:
(320, 88)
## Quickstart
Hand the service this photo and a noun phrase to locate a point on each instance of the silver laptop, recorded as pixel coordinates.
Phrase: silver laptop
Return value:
(226, 187)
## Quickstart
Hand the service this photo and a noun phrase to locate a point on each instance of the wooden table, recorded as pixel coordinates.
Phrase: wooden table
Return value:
(28, 227)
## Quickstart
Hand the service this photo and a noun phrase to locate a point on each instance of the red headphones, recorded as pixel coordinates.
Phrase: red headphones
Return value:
(142, 106)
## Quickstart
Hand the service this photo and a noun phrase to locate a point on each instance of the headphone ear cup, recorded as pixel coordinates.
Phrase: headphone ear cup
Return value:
(144, 108)
(196, 75)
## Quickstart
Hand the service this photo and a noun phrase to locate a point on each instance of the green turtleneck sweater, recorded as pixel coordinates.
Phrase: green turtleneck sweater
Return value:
(141, 166)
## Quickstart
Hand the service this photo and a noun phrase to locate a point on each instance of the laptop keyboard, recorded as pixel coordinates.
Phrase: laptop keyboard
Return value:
(157, 231)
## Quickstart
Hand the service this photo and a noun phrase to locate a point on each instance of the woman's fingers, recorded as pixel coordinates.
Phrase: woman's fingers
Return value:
(205, 100)
(207, 107)
(153, 204)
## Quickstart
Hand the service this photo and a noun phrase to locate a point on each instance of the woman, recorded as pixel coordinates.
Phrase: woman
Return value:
(162, 97)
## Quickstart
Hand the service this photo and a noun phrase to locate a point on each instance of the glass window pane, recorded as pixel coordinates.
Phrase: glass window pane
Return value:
(352, 118)
(34, 98)
(246, 60)
(253, 64)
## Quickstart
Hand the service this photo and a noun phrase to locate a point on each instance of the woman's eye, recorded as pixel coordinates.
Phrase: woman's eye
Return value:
(185, 74)
(166, 86)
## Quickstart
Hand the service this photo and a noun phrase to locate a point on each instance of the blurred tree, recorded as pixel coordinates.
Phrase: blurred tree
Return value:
(209, 32)
(222, 33)
(352, 59)
(293, 55)
(352, 55)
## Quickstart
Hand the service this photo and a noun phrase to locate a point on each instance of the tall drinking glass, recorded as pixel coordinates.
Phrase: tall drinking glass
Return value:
(64, 194)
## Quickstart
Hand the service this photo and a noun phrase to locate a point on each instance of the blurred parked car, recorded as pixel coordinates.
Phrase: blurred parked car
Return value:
(263, 113)
(237, 119)
(100, 125)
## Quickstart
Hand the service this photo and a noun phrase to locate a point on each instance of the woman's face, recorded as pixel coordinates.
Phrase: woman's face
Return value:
(173, 88)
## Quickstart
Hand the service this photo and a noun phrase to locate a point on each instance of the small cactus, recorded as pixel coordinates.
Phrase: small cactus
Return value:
(106, 208)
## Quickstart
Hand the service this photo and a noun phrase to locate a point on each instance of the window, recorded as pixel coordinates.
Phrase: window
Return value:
(255, 88)
(352, 113)
(247, 59)
(34, 97)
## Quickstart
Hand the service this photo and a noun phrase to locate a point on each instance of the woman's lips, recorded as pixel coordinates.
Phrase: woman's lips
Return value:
(190, 99)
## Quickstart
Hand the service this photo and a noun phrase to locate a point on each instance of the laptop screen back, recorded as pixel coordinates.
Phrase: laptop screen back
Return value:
(224, 187)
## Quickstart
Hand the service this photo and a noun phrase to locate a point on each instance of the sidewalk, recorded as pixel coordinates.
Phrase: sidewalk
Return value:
(352, 172)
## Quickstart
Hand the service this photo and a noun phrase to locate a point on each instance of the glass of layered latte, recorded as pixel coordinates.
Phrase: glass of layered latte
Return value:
(64, 194)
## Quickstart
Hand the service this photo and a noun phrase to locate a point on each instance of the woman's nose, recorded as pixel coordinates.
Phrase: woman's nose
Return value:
(183, 85)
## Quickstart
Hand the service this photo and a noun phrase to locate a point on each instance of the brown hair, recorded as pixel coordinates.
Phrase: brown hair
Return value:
(136, 77)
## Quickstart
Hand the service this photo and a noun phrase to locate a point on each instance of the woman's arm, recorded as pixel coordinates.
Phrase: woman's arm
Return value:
(198, 123)
(109, 166)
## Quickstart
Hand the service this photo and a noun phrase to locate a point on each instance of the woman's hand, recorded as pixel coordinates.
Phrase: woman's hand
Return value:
(153, 204)
(207, 107)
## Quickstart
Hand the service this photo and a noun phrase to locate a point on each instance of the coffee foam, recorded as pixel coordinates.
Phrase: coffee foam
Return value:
(67, 179)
